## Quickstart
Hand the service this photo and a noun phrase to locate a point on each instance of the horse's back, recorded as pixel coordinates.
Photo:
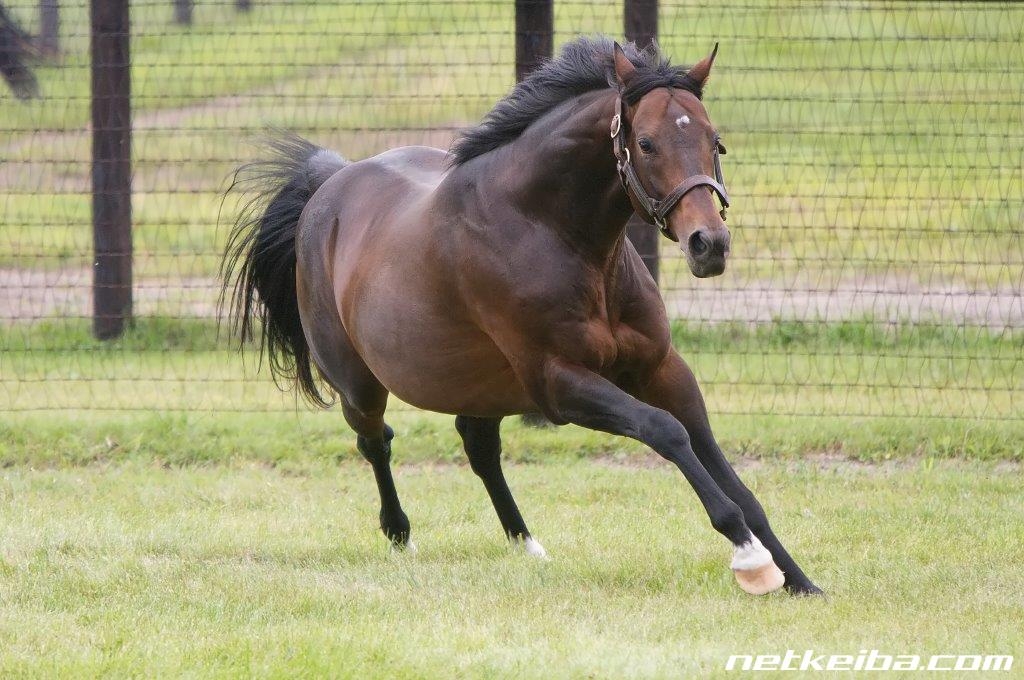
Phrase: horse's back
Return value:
(422, 167)
(377, 252)
(363, 200)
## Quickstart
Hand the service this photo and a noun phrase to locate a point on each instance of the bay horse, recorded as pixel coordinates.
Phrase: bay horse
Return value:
(495, 279)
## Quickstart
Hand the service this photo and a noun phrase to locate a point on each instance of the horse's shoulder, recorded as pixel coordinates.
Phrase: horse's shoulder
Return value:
(633, 286)
(640, 308)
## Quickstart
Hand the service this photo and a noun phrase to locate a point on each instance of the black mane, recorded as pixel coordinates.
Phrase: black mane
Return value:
(584, 65)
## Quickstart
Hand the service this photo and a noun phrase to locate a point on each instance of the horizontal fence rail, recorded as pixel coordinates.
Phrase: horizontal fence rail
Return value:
(874, 165)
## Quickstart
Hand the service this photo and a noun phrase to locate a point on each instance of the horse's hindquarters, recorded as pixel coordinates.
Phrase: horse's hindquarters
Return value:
(426, 352)
(380, 290)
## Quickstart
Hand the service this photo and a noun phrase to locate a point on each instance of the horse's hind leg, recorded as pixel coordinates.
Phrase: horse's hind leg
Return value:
(363, 401)
(482, 441)
(373, 439)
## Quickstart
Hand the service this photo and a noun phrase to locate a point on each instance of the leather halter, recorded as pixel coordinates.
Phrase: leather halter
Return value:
(653, 210)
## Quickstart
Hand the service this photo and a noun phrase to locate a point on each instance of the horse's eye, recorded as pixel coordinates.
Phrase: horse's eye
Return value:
(645, 145)
(721, 148)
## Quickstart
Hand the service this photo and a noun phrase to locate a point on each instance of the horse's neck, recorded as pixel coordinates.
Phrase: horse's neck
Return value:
(562, 173)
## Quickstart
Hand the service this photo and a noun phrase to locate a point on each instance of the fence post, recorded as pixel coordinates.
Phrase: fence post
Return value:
(183, 12)
(111, 167)
(535, 42)
(535, 35)
(243, 5)
(49, 28)
(641, 24)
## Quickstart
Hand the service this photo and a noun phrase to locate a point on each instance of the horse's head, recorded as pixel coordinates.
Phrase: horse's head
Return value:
(667, 151)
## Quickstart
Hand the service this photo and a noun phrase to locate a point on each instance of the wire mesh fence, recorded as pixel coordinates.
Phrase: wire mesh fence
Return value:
(875, 166)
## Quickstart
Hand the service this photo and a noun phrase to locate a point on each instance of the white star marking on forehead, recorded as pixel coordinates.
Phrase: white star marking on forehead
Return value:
(682, 120)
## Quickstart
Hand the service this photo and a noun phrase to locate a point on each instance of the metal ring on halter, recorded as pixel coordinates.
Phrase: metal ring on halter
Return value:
(662, 226)
(616, 125)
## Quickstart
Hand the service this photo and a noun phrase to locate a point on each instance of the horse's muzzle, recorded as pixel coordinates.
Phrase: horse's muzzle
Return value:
(706, 251)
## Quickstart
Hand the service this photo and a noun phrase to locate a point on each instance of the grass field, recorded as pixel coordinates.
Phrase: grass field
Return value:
(137, 569)
(165, 511)
(158, 541)
(861, 389)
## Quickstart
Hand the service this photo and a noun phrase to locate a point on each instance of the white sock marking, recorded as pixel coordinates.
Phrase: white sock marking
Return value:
(750, 555)
(532, 547)
(409, 548)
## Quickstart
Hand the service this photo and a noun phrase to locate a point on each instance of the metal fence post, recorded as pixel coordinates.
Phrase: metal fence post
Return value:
(111, 167)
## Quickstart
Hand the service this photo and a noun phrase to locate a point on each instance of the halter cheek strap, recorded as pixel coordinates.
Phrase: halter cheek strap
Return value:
(652, 210)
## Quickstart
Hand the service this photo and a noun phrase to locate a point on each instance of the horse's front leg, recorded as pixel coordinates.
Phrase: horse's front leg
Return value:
(675, 389)
(574, 394)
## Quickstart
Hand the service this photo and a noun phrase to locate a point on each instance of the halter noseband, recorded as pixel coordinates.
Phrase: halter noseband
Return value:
(653, 210)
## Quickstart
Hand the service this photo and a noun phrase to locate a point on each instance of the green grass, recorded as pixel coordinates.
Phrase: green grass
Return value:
(863, 389)
(163, 512)
(137, 569)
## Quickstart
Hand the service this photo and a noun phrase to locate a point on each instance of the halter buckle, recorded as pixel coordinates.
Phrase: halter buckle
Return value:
(662, 226)
(616, 125)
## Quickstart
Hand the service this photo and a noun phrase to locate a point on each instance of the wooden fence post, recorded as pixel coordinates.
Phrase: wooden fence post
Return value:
(535, 34)
(48, 41)
(641, 25)
(535, 42)
(183, 12)
(111, 167)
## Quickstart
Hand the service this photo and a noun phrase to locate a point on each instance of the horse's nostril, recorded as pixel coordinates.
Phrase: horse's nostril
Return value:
(699, 243)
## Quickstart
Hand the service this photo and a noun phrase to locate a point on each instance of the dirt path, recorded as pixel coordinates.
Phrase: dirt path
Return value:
(30, 294)
(892, 298)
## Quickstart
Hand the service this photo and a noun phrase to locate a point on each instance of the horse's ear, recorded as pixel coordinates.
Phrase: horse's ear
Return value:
(702, 69)
(624, 69)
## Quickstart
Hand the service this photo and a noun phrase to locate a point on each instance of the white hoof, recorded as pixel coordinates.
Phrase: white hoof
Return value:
(761, 581)
(532, 547)
(755, 570)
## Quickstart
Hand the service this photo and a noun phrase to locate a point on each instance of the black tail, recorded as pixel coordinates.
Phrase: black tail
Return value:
(259, 261)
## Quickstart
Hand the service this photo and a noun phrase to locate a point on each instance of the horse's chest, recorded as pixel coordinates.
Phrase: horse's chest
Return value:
(620, 350)
(638, 353)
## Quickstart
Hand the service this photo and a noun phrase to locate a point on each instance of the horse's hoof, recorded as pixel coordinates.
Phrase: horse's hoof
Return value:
(755, 569)
(805, 590)
(531, 547)
(760, 581)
